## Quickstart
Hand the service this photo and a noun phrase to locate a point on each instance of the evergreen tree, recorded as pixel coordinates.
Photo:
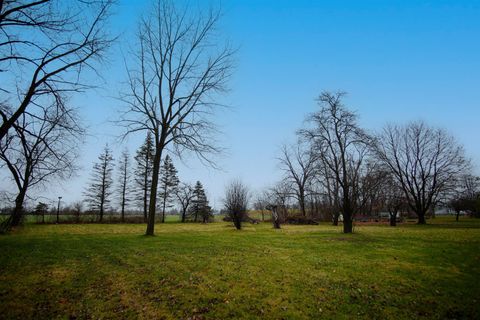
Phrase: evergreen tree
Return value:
(168, 184)
(99, 191)
(124, 182)
(200, 208)
(143, 173)
(41, 209)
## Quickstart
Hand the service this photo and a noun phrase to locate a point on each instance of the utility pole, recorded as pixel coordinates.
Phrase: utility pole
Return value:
(58, 209)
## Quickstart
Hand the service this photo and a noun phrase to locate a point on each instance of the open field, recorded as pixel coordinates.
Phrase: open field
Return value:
(214, 272)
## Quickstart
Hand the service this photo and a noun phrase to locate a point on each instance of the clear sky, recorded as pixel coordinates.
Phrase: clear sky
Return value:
(398, 60)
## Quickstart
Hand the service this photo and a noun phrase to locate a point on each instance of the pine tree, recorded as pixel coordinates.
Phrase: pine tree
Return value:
(200, 207)
(99, 191)
(124, 182)
(143, 173)
(168, 184)
(41, 209)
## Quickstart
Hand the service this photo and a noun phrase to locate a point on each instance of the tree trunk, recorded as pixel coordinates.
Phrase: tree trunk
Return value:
(457, 215)
(347, 220)
(237, 221)
(101, 212)
(393, 219)
(123, 209)
(184, 213)
(347, 225)
(163, 207)
(302, 204)
(145, 200)
(275, 219)
(123, 199)
(16, 217)
(335, 219)
(153, 191)
(421, 218)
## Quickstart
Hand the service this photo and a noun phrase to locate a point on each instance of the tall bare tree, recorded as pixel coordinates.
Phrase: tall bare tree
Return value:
(343, 146)
(38, 150)
(45, 48)
(424, 160)
(299, 166)
(178, 70)
(98, 193)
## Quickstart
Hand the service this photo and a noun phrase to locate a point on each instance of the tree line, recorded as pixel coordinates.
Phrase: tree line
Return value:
(175, 72)
(341, 170)
(129, 190)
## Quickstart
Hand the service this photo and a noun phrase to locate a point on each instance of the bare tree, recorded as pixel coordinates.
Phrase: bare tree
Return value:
(38, 150)
(279, 197)
(236, 202)
(465, 194)
(425, 161)
(275, 216)
(299, 166)
(261, 202)
(343, 147)
(77, 210)
(179, 70)
(184, 195)
(124, 182)
(45, 47)
(100, 189)
(368, 189)
(329, 189)
(391, 197)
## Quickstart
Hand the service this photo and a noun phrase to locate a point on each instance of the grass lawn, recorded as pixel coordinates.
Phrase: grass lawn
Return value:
(214, 272)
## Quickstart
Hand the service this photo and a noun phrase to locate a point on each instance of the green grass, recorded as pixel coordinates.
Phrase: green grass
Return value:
(214, 272)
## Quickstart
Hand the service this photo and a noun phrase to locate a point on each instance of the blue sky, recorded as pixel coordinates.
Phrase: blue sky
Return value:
(398, 60)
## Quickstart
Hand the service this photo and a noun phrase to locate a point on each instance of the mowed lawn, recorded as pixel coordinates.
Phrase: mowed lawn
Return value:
(196, 271)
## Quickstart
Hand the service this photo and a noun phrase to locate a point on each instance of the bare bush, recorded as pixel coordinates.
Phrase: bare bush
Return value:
(236, 202)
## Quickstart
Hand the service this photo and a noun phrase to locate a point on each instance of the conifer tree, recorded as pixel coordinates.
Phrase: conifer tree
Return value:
(124, 182)
(100, 189)
(200, 207)
(143, 173)
(168, 184)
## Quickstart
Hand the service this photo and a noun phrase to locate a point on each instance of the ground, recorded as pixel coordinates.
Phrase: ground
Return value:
(212, 271)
